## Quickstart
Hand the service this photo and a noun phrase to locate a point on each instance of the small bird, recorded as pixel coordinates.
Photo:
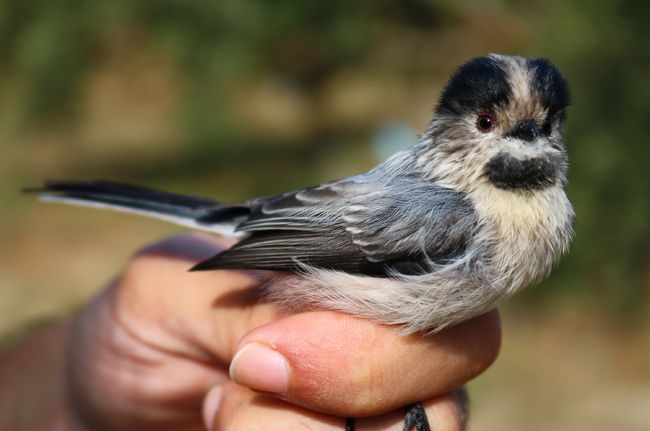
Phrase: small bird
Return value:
(437, 234)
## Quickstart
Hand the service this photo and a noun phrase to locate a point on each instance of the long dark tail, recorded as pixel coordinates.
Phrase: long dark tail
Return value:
(195, 212)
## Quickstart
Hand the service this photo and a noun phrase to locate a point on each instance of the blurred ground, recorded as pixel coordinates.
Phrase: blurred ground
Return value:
(179, 97)
(562, 371)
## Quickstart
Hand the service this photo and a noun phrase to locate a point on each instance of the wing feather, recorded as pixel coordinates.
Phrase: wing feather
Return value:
(353, 226)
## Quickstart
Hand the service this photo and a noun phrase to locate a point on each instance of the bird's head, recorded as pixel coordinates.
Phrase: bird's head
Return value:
(499, 120)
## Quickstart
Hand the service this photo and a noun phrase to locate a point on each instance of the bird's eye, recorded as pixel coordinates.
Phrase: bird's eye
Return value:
(485, 122)
(547, 128)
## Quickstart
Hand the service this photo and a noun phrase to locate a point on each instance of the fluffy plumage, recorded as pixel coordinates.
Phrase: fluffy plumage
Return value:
(435, 235)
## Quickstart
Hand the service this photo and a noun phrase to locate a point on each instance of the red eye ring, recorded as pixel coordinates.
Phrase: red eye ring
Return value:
(485, 122)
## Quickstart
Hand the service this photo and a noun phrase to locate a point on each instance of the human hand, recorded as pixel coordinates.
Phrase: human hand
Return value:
(144, 354)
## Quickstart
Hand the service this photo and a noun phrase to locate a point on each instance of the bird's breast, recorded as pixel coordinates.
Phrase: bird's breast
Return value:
(523, 233)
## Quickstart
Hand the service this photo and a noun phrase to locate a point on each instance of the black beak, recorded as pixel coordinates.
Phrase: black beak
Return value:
(526, 130)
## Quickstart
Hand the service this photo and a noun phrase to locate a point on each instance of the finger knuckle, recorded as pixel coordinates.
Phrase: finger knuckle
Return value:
(490, 342)
(450, 413)
(137, 270)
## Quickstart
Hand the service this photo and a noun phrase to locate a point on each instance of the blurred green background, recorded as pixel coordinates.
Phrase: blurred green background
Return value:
(233, 99)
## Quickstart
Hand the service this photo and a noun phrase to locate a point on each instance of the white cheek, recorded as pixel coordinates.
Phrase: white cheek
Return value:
(523, 150)
(519, 149)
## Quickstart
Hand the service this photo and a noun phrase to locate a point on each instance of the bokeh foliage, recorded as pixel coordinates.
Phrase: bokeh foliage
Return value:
(54, 46)
(217, 50)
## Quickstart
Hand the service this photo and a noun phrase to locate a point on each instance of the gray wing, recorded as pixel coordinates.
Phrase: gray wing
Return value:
(412, 221)
(355, 225)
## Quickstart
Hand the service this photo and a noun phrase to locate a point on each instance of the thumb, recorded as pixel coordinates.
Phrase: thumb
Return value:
(338, 364)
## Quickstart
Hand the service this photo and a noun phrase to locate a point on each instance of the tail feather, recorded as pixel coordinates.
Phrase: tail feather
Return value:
(190, 211)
